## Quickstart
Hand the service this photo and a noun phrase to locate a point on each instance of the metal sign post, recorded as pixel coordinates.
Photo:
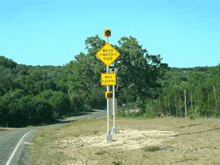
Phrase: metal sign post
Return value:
(114, 128)
(108, 136)
(108, 54)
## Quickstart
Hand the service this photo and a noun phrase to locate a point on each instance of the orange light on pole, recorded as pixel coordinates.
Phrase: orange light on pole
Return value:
(107, 33)
(108, 94)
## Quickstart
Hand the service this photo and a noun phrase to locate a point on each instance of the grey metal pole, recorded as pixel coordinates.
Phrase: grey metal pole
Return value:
(108, 129)
(113, 104)
(114, 128)
(108, 136)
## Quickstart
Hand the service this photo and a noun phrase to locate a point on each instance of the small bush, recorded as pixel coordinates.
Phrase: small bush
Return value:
(121, 114)
(117, 163)
(152, 148)
(101, 152)
(193, 113)
(149, 114)
(96, 132)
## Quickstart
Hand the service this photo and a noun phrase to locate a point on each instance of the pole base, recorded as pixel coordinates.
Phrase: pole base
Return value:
(115, 130)
(108, 137)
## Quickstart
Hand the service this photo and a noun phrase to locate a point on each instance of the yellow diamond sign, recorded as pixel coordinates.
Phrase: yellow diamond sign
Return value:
(108, 54)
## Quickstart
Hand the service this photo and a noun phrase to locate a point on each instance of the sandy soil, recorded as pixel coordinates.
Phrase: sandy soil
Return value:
(126, 140)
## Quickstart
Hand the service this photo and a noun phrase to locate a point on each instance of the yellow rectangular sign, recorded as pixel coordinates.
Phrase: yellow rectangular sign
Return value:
(108, 78)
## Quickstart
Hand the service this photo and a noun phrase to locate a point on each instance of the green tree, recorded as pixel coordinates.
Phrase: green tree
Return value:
(10, 101)
(44, 111)
(58, 100)
(138, 72)
(7, 63)
(137, 76)
(3, 114)
(85, 91)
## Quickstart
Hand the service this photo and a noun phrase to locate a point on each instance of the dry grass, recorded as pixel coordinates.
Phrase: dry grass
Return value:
(150, 141)
(6, 129)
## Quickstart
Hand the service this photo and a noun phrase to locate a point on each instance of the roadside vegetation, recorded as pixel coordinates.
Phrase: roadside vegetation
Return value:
(34, 95)
(166, 140)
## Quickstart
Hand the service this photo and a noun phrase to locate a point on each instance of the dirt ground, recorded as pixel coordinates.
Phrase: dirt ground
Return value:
(140, 141)
(125, 140)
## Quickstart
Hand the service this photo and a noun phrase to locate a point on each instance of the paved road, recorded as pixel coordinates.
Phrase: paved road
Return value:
(90, 115)
(9, 140)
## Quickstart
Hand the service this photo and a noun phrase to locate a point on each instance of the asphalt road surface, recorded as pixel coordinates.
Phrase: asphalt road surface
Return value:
(9, 141)
(14, 141)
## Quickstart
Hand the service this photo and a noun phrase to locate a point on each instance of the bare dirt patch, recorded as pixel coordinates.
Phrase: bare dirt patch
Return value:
(126, 140)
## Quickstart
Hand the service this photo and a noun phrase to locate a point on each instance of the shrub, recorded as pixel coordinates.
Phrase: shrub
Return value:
(152, 148)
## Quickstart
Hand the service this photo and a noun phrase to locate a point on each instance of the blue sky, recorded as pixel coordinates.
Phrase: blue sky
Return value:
(186, 33)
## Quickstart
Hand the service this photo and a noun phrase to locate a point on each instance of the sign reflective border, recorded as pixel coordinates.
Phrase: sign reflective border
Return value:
(108, 78)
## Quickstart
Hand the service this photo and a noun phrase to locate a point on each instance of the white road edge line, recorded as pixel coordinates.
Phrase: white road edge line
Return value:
(9, 160)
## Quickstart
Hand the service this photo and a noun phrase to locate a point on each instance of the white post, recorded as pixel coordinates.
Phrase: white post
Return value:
(185, 103)
(108, 136)
(114, 128)
(215, 102)
(108, 111)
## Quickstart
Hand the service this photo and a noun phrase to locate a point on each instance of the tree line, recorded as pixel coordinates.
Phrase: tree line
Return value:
(32, 95)
(192, 93)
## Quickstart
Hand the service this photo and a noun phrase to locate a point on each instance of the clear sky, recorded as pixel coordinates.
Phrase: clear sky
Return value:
(186, 33)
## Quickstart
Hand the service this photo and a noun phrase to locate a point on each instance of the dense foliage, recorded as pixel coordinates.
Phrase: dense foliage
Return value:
(194, 91)
(32, 95)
